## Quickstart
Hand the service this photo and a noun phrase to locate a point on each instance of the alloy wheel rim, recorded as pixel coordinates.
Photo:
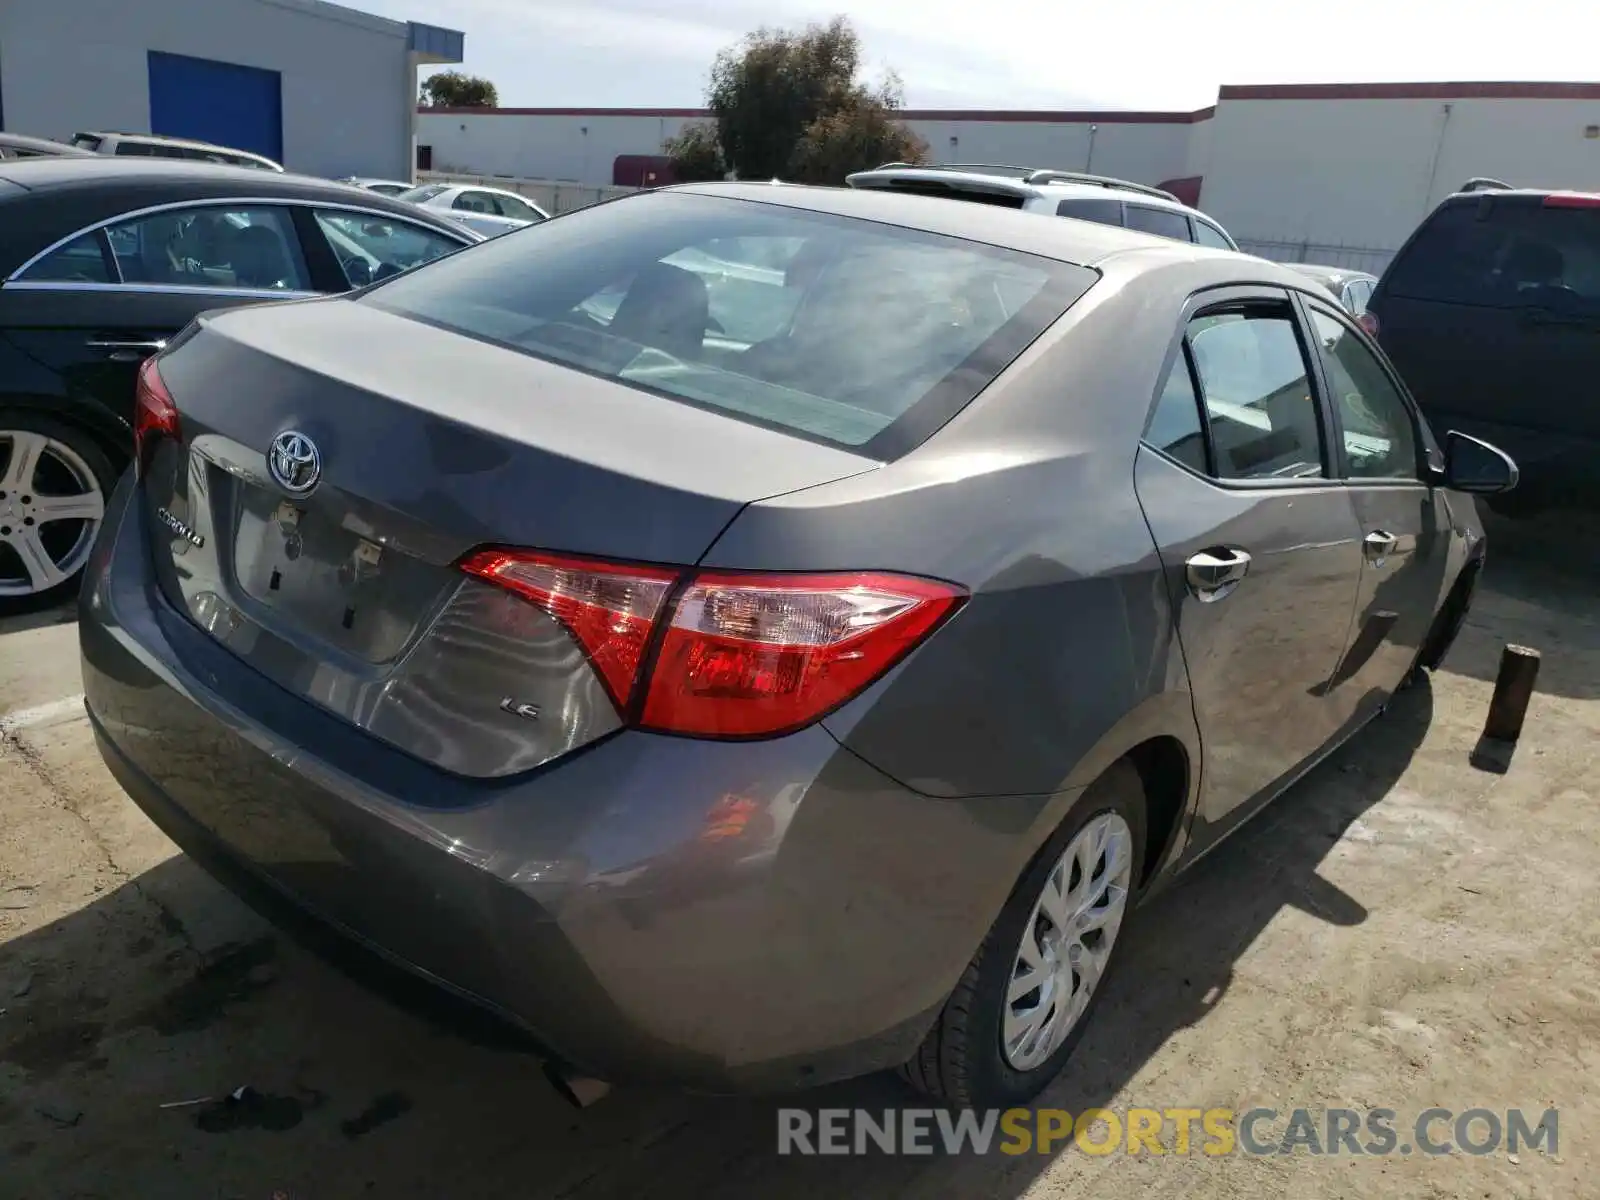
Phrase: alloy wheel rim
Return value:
(1067, 942)
(51, 507)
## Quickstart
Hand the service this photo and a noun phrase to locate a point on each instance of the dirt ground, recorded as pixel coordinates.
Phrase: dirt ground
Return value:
(1400, 930)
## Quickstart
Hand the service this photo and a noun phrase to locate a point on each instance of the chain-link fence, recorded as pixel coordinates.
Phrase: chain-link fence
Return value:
(553, 195)
(1327, 254)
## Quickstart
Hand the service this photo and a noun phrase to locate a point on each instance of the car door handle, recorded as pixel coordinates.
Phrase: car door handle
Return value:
(1214, 573)
(131, 350)
(1378, 545)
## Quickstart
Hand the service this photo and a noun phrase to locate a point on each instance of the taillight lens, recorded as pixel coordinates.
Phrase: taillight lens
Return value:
(1572, 200)
(155, 416)
(1368, 322)
(741, 655)
(611, 610)
(754, 656)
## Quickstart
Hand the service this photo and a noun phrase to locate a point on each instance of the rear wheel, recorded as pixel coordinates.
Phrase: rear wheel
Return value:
(1024, 1001)
(54, 482)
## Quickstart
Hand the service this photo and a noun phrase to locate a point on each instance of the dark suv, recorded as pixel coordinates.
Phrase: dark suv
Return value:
(1491, 311)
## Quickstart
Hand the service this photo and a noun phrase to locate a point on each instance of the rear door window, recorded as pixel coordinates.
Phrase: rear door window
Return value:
(1103, 212)
(216, 246)
(82, 260)
(1504, 253)
(844, 331)
(1163, 222)
(1256, 387)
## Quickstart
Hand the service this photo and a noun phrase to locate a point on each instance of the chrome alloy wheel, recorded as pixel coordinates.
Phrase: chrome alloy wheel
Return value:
(1067, 942)
(51, 506)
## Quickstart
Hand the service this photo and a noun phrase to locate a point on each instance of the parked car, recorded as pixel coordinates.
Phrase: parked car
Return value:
(1491, 310)
(1097, 198)
(104, 260)
(155, 145)
(1351, 288)
(15, 145)
(384, 187)
(489, 211)
(748, 706)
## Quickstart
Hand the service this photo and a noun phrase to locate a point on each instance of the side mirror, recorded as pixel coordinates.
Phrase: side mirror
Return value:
(1473, 465)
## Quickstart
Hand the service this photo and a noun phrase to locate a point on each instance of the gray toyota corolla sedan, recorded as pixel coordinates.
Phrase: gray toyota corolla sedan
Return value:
(751, 635)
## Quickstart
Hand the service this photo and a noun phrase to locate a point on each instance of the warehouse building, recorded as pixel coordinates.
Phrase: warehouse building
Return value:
(321, 88)
(1335, 173)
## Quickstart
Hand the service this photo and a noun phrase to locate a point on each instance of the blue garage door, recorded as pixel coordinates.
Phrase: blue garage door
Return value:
(217, 102)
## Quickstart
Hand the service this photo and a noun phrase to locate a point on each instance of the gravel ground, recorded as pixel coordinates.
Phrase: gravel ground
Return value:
(1399, 931)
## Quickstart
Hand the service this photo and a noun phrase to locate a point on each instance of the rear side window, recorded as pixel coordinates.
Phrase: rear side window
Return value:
(1103, 212)
(136, 149)
(86, 141)
(1175, 427)
(928, 187)
(1163, 222)
(1207, 234)
(1503, 254)
(845, 331)
(82, 260)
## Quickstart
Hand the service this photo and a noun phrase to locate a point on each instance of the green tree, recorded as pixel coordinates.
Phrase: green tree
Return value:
(859, 134)
(456, 89)
(787, 105)
(695, 155)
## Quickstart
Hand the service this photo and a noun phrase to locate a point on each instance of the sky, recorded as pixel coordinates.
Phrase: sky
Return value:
(1138, 54)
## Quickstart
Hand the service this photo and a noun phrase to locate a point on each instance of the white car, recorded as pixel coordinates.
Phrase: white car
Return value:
(489, 211)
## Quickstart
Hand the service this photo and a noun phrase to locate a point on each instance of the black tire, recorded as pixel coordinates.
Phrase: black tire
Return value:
(1447, 622)
(961, 1062)
(99, 466)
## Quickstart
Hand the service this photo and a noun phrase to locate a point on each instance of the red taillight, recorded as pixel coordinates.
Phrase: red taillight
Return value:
(1368, 322)
(1572, 200)
(751, 656)
(155, 416)
(741, 654)
(611, 610)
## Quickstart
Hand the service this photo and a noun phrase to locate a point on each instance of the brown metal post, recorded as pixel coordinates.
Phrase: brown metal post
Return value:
(1508, 709)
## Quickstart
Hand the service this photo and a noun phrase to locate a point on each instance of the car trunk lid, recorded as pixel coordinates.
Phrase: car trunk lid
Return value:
(425, 445)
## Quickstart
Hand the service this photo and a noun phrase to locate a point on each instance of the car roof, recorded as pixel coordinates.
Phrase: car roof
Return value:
(97, 170)
(168, 140)
(1083, 243)
(1025, 181)
(18, 141)
(46, 199)
(1329, 275)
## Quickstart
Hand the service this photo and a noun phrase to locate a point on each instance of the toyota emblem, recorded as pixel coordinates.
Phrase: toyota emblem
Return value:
(294, 462)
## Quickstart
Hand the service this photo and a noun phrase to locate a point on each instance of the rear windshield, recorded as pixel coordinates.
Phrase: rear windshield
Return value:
(86, 141)
(426, 192)
(1503, 254)
(849, 332)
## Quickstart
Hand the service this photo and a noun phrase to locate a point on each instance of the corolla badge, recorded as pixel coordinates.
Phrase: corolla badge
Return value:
(294, 463)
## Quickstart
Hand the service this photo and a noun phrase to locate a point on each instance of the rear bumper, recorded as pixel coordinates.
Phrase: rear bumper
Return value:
(745, 916)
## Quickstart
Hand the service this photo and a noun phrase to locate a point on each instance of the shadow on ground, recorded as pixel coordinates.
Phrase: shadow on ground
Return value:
(354, 1094)
(1541, 588)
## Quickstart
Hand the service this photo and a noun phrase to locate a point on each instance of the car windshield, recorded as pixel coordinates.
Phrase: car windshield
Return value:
(846, 331)
(426, 192)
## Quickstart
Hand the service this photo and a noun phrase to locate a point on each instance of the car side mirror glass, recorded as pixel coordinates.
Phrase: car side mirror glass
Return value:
(1473, 465)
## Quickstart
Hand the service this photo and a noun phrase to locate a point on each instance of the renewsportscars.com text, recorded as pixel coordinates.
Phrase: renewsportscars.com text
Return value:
(1177, 1131)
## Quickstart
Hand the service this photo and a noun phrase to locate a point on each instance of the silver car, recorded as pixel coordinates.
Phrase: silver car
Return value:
(489, 211)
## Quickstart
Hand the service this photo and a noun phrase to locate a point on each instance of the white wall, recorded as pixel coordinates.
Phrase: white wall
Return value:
(1357, 172)
(348, 84)
(1336, 178)
(582, 147)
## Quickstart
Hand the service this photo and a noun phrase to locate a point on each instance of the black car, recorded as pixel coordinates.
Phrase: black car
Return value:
(1491, 311)
(103, 260)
